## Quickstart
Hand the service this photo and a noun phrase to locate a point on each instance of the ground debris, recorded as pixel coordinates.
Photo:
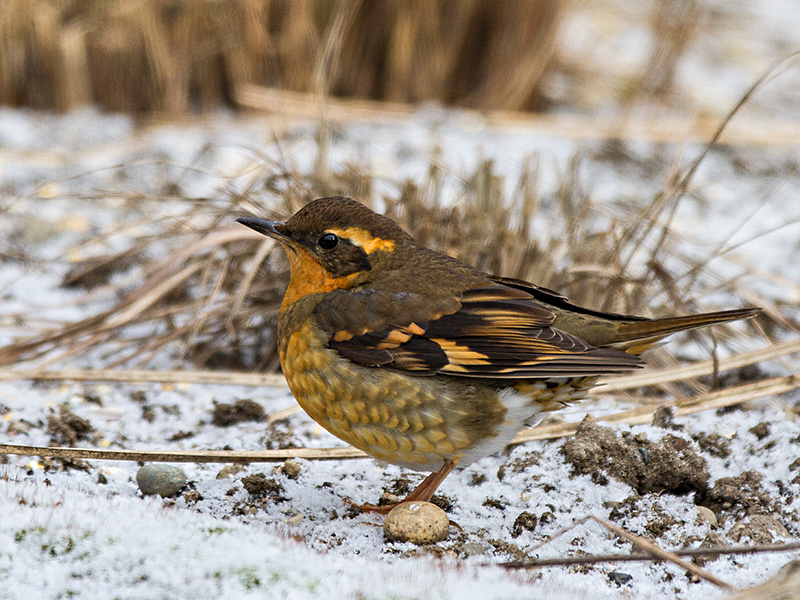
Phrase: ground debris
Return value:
(68, 429)
(225, 415)
(669, 465)
(739, 496)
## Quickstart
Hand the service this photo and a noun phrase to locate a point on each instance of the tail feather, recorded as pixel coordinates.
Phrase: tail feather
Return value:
(647, 333)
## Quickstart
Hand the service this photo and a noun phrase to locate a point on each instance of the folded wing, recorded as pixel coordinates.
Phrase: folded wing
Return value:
(496, 332)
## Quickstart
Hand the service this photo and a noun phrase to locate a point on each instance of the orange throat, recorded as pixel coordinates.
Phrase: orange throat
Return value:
(309, 277)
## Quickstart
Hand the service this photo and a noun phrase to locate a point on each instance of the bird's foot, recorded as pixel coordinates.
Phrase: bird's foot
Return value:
(422, 493)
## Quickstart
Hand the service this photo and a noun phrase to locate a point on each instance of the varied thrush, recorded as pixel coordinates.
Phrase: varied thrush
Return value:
(423, 361)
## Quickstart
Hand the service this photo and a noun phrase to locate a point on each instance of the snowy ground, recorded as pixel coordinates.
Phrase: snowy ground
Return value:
(87, 532)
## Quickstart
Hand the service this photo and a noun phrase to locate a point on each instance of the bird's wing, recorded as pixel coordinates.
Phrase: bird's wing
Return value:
(494, 332)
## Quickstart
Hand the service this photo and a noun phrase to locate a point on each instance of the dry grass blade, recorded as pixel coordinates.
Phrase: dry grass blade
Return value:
(783, 586)
(615, 384)
(698, 369)
(144, 376)
(687, 406)
(662, 554)
(193, 456)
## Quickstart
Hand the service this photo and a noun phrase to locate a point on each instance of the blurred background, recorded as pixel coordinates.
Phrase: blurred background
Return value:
(182, 56)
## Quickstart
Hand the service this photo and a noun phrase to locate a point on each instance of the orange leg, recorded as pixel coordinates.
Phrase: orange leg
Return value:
(422, 493)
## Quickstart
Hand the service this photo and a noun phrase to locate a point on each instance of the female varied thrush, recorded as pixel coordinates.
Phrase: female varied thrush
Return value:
(423, 361)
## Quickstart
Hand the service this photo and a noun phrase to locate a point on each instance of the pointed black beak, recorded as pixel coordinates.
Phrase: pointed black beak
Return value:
(264, 226)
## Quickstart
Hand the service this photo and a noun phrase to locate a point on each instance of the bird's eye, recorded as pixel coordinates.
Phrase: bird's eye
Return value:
(328, 241)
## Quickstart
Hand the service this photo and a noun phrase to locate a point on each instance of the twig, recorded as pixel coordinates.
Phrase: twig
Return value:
(305, 106)
(662, 554)
(599, 558)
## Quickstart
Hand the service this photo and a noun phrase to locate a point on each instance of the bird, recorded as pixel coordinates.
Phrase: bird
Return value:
(423, 361)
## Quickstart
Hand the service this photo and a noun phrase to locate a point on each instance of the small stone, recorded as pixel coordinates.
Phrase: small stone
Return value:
(620, 578)
(164, 480)
(761, 529)
(229, 470)
(292, 468)
(706, 515)
(416, 522)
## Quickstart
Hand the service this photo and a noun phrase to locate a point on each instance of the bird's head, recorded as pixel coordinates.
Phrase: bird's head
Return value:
(334, 243)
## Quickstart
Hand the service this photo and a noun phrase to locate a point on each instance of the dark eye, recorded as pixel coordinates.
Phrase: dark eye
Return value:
(328, 241)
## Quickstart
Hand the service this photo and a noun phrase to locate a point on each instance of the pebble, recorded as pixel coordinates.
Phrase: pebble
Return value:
(706, 515)
(164, 480)
(416, 522)
(620, 578)
(292, 468)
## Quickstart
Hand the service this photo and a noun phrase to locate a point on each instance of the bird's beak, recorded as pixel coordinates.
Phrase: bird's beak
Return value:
(265, 226)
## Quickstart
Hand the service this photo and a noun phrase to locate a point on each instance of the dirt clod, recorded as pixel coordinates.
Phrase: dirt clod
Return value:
(524, 522)
(713, 444)
(68, 428)
(225, 415)
(760, 431)
(741, 495)
(518, 465)
(670, 464)
(761, 529)
(259, 484)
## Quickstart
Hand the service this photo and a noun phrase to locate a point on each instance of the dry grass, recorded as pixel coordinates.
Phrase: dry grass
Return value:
(147, 55)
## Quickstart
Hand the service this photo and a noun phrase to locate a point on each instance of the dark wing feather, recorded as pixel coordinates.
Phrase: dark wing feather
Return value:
(495, 331)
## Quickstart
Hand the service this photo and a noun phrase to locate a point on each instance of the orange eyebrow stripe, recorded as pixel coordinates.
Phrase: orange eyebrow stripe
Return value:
(364, 239)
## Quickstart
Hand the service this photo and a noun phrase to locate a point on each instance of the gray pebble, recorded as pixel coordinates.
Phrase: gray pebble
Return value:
(164, 480)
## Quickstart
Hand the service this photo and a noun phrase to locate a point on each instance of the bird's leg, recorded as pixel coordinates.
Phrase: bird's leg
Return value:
(425, 490)
(422, 493)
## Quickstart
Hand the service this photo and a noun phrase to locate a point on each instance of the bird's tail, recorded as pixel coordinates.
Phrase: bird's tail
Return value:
(636, 337)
